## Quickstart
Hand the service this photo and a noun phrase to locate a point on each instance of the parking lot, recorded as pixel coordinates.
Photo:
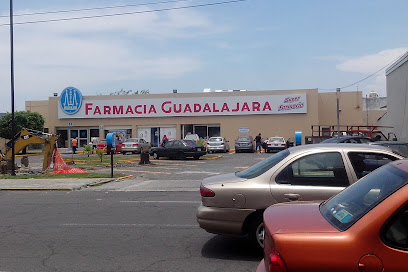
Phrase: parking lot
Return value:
(143, 223)
(179, 175)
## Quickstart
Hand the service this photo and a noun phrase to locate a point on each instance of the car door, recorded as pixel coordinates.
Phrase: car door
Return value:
(394, 234)
(165, 151)
(315, 176)
(175, 148)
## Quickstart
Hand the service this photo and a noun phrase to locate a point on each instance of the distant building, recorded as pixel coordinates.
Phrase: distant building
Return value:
(397, 95)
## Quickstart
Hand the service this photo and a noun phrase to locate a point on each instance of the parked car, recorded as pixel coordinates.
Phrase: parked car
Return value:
(398, 147)
(363, 228)
(179, 149)
(135, 145)
(215, 144)
(234, 203)
(275, 144)
(244, 143)
(348, 139)
(102, 145)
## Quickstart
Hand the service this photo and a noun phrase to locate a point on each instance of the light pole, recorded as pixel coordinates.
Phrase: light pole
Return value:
(338, 112)
(13, 125)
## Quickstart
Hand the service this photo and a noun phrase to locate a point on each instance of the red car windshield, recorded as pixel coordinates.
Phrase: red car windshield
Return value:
(347, 207)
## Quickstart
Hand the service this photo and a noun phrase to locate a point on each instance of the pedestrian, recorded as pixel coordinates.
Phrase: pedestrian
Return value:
(94, 141)
(164, 140)
(74, 143)
(258, 143)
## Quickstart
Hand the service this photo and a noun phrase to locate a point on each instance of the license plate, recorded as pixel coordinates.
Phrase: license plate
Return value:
(198, 149)
(275, 144)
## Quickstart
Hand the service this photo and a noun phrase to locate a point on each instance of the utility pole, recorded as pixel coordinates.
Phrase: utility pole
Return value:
(338, 112)
(13, 125)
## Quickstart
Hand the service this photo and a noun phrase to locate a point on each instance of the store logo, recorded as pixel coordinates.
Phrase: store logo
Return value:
(71, 100)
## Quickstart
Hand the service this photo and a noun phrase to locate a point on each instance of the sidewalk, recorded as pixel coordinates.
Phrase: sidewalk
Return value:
(50, 184)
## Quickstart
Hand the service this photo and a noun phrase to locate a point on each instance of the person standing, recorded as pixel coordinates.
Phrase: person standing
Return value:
(74, 143)
(164, 140)
(258, 143)
(94, 141)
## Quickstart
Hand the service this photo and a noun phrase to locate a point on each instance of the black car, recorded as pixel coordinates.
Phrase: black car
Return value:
(179, 149)
(244, 143)
(396, 146)
(348, 139)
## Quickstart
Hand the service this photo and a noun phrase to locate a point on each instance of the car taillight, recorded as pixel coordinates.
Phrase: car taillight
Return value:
(236, 143)
(276, 263)
(135, 144)
(205, 192)
(222, 143)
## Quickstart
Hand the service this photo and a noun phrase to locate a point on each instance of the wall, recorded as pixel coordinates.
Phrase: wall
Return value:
(321, 109)
(350, 104)
(397, 94)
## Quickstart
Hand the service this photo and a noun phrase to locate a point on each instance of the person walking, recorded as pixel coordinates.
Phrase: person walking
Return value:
(74, 143)
(94, 142)
(258, 143)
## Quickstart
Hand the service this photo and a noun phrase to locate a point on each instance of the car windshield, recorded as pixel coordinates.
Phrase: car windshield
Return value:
(102, 141)
(244, 138)
(347, 207)
(276, 139)
(215, 139)
(131, 140)
(262, 166)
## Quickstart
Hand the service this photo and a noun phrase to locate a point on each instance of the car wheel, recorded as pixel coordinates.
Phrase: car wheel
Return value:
(181, 156)
(256, 231)
(123, 153)
(196, 157)
(155, 156)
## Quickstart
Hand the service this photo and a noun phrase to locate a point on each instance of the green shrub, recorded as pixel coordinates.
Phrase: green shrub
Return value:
(100, 153)
(88, 149)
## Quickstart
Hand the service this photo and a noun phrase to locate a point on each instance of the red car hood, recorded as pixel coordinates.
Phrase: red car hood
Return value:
(299, 217)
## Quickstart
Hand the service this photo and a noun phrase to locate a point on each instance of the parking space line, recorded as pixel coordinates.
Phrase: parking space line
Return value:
(131, 225)
(151, 172)
(158, 201)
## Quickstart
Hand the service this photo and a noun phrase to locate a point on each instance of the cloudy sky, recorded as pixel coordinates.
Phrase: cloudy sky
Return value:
(252, 45)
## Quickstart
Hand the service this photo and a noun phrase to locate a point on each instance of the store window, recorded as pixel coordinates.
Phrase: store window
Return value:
(203, 131)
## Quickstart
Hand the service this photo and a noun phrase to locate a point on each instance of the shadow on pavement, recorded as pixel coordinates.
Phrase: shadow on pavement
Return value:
(230, 248)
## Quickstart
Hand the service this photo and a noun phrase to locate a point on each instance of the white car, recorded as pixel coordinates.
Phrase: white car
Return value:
(215, 144)
(276, 144)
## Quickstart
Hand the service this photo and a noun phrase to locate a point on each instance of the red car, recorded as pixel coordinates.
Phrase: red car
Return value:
(363, 228)
(102, 144)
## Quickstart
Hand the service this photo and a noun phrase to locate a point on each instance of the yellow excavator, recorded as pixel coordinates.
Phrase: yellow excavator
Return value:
(28, 136)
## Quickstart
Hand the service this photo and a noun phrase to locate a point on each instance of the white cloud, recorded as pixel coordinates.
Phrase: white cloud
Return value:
(367, 65)
(90, 52)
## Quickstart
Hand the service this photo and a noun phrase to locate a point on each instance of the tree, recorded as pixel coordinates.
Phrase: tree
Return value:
(22, 119)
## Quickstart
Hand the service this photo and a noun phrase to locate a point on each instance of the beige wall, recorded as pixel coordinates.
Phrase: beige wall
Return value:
(321, 109)
(350, 104)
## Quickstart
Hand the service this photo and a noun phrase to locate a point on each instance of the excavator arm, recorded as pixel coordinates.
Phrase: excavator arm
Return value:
(27, 137)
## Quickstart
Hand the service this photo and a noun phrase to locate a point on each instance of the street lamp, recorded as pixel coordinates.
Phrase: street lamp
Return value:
(338, 112)
(13, 125)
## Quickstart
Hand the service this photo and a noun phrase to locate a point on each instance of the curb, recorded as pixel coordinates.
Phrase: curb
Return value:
(37, 189)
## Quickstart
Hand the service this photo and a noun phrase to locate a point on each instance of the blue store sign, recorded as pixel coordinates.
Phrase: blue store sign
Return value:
(71, 100)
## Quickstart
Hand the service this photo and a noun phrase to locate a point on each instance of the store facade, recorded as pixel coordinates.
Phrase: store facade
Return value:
(227, 114)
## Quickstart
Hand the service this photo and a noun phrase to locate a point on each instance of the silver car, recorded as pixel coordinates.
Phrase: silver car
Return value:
(234, 203)
(216, 144)
(135, 145)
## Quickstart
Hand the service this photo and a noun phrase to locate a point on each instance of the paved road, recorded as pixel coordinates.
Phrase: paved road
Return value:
(175, 175)
(146, 223)
(113, 231)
